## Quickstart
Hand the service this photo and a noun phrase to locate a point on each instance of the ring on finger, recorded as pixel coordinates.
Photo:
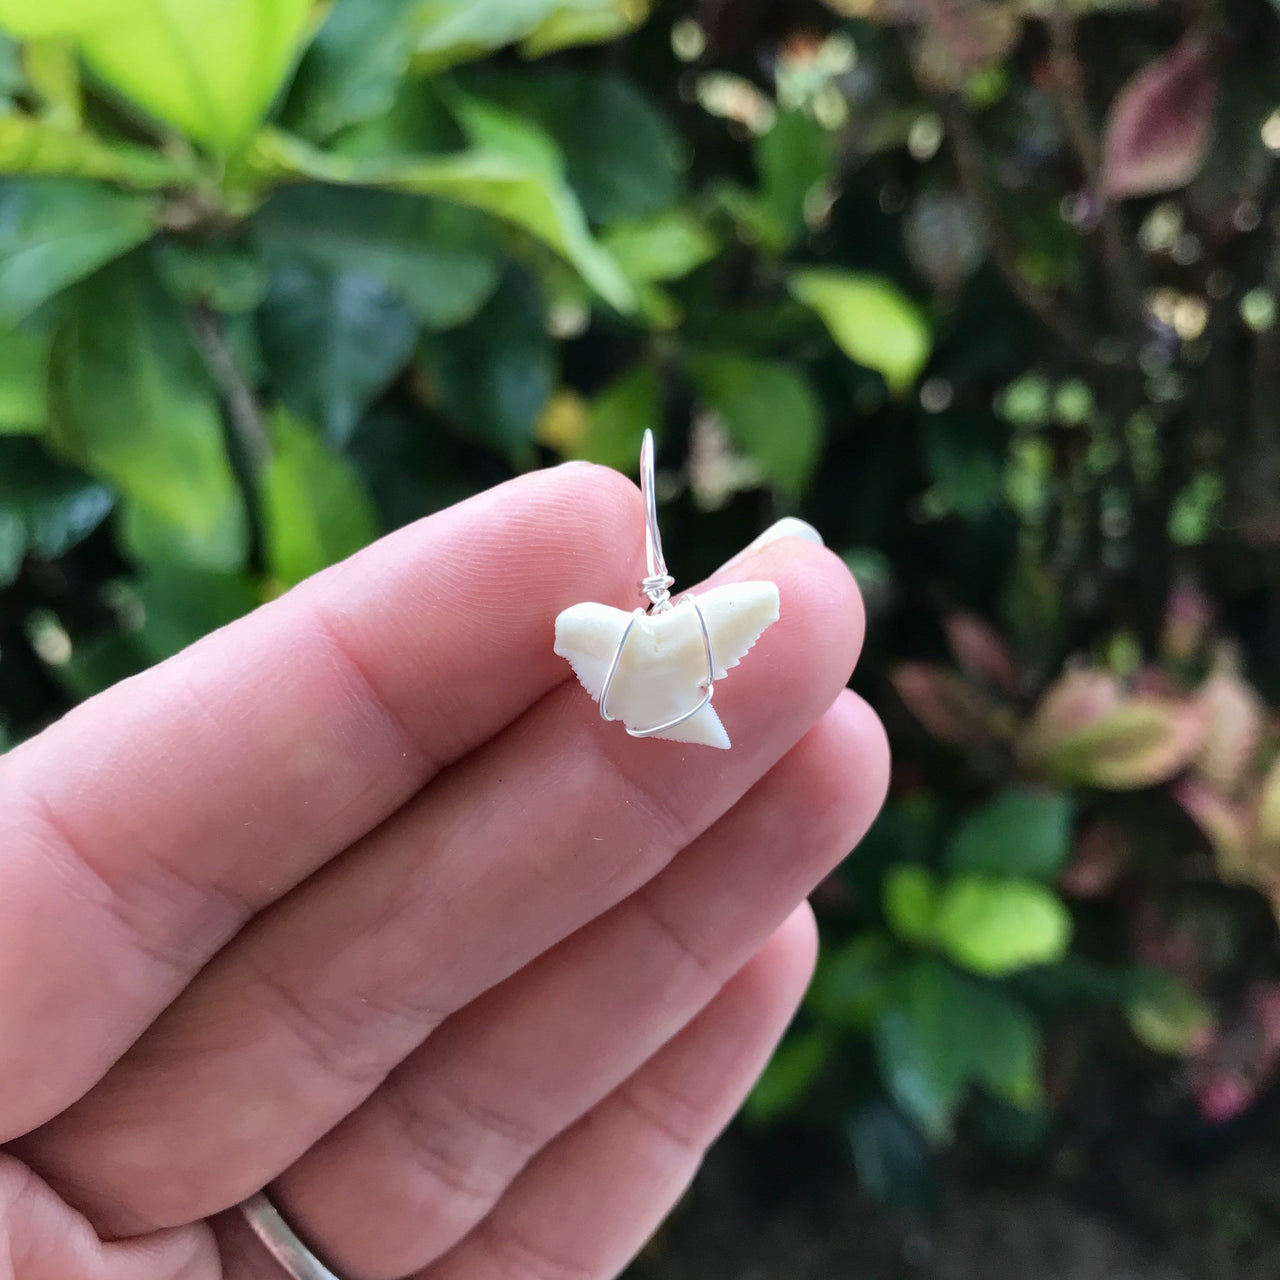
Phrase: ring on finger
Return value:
(282, 1242)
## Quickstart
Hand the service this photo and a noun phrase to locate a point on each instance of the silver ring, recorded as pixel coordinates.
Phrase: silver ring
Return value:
(281, 1241)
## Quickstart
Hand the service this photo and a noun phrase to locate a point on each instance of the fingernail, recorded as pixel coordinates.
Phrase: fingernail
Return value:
(787, 527)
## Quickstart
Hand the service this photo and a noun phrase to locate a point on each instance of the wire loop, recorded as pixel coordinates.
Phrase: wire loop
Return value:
(657, 587)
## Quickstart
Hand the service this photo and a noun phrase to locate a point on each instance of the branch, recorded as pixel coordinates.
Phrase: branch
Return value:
(1068, 82)
(243, 411)
(1000, 243)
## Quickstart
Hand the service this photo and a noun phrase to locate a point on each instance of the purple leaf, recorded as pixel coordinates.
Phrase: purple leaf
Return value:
(1234, 721)
(949, 707)
(1087, 730)
(1158, 129)
(981, 651)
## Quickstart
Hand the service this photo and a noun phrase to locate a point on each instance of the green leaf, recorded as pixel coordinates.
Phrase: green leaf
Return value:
(947, 1032)
(793, 159)
(441, 259)
(996, 927)
(130, 401)
(55, 231)
(870, 320)
(1023, 834)
(352, 69)
(494, 128)
(38, 148)
(315, 508)
(920, 1042)
(13, 79)
(665, 247)
(892, 1161)
(181, 605)
(508, 187)
(854, 982)
(60, 508)
(618, 417)
(453, 31)
(493, 376)
(771, 411)
(1167, 1017)
(910, 898)
(171, 608)
(208, 67)
(13, 545)
(24, 379)
(584, 22)
(794, 1067)
(55, 17)
(219, 274)
(53, 74)
(418, 123)
(586, 115)
(966, 466)
(1004, 1043)
(45, 506)
(333, 341)
(149, 539)
(413, 469)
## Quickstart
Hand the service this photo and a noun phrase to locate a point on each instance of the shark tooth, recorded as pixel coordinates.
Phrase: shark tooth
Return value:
(663, 667)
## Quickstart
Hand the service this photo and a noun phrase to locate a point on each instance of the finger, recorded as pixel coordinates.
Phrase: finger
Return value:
(592, 1198)
(402, 1179)
(587, 1203)
(144, 828)
(545, 827)
(42, 1238)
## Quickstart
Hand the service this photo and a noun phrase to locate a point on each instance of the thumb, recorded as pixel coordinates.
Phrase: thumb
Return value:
(45, 1239)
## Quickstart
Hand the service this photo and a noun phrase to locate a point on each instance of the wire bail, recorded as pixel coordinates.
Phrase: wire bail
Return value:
(657, 587)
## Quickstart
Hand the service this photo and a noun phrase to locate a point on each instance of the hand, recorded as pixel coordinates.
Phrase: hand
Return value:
(361, 899)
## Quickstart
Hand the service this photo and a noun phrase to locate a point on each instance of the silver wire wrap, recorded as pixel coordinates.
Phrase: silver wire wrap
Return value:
(281, 1241)
(657, 587)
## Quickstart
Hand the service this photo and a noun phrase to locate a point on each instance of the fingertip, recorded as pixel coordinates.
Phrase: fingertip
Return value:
(787, 527)
(822, 613)
(606, 498)
(773, 982)
(859, 755)
(797, 938)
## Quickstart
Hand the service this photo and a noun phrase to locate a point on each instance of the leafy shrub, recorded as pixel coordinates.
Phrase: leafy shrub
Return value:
(985, 290)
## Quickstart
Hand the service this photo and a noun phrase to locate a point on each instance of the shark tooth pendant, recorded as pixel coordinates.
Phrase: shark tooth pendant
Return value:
(655, 669)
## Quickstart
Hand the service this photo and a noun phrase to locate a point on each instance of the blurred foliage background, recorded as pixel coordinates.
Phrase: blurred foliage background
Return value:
(986, 289)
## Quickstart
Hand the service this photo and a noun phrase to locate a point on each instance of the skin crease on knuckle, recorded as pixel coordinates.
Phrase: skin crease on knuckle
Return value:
(589, 1200)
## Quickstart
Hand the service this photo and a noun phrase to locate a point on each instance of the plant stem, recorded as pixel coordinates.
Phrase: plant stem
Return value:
(243, 411)
(1068, 79)
(999, 241)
